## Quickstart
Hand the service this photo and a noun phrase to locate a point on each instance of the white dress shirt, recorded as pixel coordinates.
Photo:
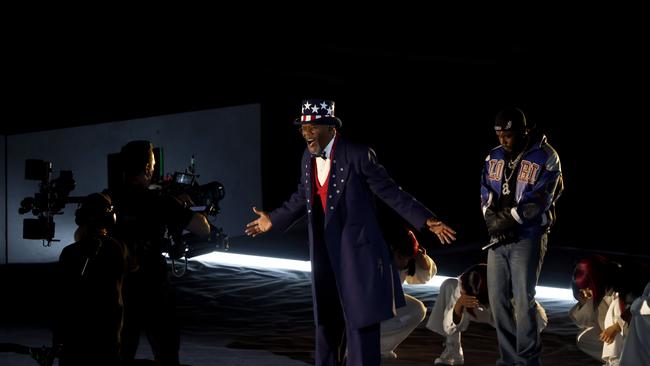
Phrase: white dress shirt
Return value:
(323, 165)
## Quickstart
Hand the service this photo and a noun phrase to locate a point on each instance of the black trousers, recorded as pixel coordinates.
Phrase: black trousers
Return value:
(149, 305)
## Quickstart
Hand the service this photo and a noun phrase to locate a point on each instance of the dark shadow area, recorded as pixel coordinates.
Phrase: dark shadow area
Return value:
(425, 102)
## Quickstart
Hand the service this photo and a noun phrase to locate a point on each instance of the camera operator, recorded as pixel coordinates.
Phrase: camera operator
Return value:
(89, 318)
(143, 218)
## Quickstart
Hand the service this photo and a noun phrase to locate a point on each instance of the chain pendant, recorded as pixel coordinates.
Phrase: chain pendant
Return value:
(506, 188)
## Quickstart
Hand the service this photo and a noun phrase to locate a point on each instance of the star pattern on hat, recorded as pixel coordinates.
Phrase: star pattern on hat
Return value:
(316, 109)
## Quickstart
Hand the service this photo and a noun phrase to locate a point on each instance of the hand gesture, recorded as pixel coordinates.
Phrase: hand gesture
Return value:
(467, 302)
(464, 302)
(584, 295)
(445, 234)
(609, 334)
(259, 226)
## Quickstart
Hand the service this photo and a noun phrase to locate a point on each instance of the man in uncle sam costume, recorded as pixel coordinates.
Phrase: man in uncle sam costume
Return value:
(355, 285)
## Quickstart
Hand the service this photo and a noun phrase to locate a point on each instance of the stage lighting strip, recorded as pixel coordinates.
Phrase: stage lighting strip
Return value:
(304, 266)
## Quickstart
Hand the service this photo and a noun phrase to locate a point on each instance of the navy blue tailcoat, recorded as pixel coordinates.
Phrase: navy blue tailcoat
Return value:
(368, 284)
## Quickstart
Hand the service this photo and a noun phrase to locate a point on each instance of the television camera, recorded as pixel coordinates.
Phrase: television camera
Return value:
(204, 198)
(184, 186)
(52, 196)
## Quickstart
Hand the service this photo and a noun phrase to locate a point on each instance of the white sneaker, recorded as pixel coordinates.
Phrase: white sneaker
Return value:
(450, 357)
(389, 354)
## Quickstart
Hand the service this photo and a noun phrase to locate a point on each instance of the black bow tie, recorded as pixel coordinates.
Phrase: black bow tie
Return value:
(321, 155)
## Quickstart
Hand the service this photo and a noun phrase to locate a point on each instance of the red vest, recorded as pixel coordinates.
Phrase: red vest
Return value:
(322, 190)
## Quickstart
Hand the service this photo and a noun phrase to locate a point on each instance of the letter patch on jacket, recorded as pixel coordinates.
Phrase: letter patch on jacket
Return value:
(528, 172)
(495, 170)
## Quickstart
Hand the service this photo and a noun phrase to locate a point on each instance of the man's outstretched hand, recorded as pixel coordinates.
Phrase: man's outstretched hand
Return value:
(259, 226)
(445, 234)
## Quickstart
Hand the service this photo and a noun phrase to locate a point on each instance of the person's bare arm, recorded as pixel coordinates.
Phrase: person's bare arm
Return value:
(199, 225)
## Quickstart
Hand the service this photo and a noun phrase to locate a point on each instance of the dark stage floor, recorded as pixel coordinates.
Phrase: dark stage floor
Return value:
(242, 315)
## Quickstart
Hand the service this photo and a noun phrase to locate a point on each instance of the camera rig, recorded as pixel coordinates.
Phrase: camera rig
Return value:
(52, 196)
(54, 193)
(205, 199)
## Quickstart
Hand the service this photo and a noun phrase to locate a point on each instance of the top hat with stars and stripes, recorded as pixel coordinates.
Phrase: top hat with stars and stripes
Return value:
(318, 112)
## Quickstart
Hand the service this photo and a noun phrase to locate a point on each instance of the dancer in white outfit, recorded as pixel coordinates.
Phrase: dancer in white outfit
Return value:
(460, 301)
(614, 334)
(593, 283)
(605, 290)
(415, 267)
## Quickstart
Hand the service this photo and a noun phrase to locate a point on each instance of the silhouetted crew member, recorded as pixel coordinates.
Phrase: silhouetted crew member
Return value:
(143, 217)
(91, 273)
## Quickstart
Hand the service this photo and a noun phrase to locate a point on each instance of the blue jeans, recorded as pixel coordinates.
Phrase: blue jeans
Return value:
(512, 273)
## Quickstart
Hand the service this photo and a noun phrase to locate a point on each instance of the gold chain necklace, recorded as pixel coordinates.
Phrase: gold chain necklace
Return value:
(505, 189)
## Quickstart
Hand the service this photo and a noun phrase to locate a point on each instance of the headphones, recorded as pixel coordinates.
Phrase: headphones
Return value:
(96, 210)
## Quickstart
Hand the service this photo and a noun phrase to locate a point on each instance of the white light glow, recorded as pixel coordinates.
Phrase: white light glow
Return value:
(305, 266)
(436, 281)
(254, 261)
(554, 293)
(543, 292)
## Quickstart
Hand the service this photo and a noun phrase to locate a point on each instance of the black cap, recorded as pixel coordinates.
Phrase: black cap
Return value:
(510, 119)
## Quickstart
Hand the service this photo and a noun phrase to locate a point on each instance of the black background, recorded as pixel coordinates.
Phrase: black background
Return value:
(424, 97)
